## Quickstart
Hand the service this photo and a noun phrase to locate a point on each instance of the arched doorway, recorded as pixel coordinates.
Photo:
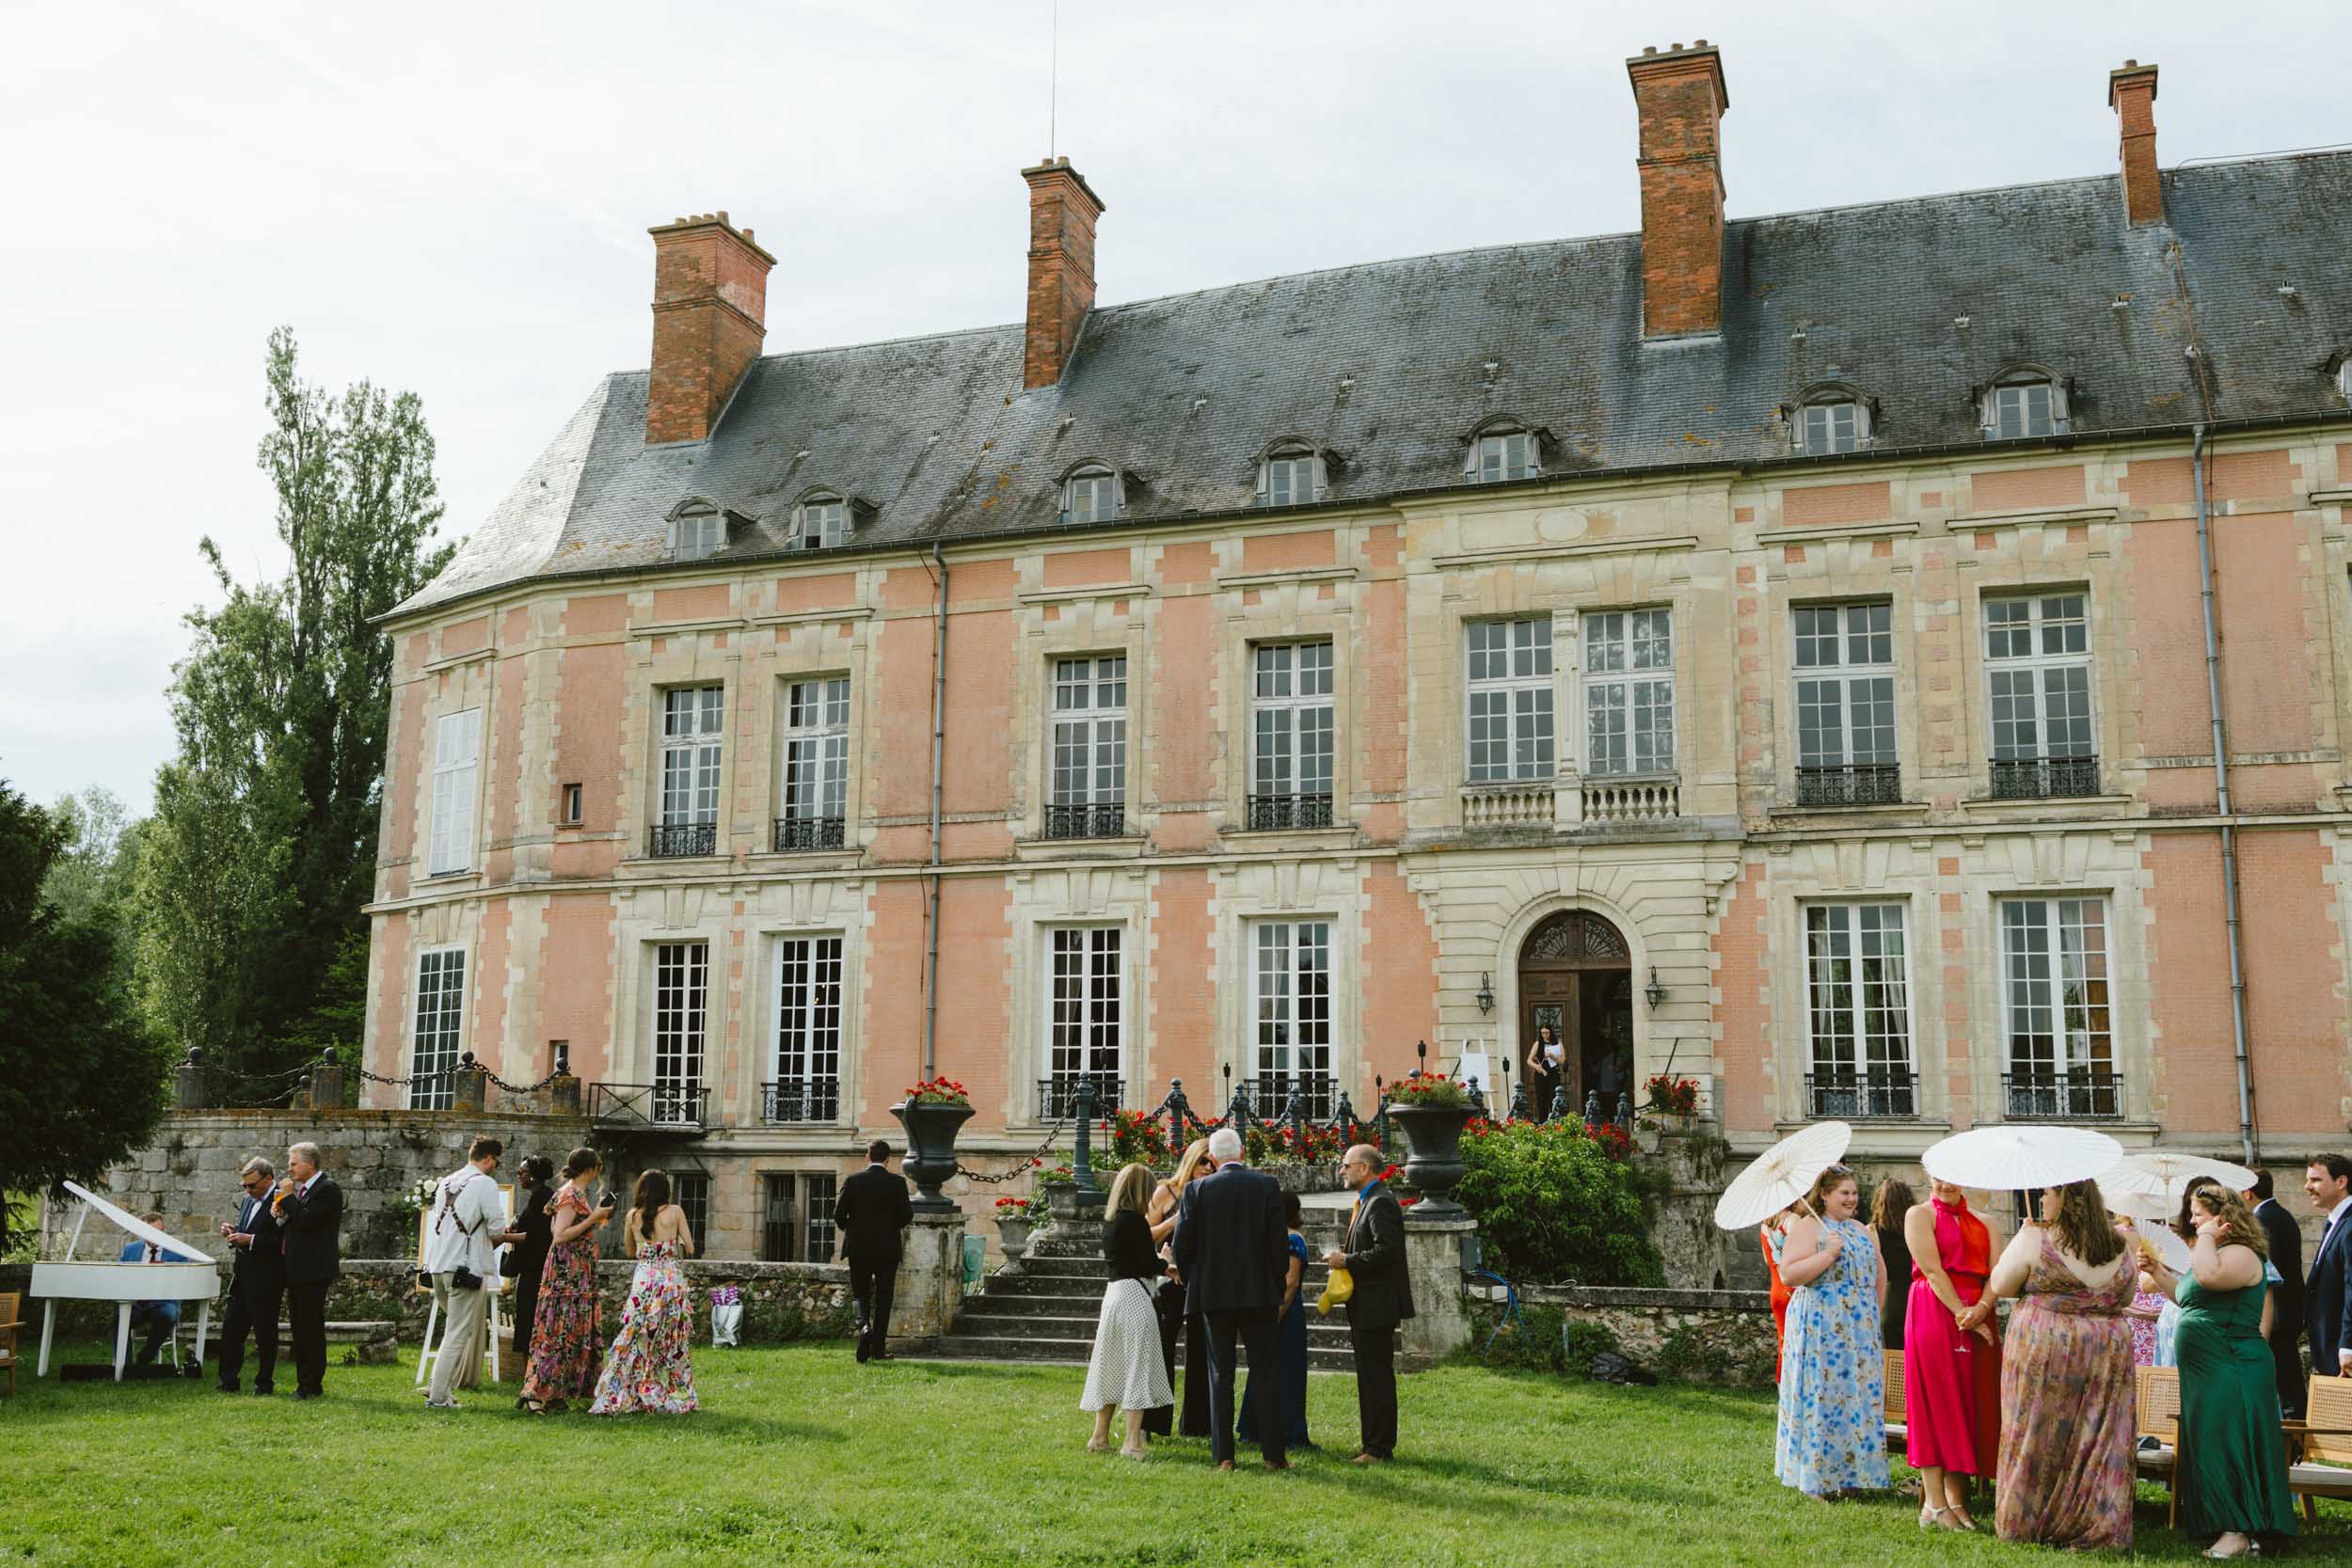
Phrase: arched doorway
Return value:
(1575, 975)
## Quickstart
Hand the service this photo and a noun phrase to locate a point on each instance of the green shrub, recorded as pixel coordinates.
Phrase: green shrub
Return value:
(1539, 1339)
(1554, 1208)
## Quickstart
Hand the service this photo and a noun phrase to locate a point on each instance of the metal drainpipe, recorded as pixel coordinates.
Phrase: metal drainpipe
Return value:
(2221, 794)
(939, 734)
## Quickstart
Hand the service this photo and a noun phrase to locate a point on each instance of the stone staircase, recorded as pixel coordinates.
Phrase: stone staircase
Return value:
(1045, 1308)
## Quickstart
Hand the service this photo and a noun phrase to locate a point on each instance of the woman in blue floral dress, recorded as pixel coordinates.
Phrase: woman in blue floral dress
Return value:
(649, 1368)
(1833, 1379)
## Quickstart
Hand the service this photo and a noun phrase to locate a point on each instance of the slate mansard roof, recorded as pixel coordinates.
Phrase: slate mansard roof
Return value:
(1391, 365)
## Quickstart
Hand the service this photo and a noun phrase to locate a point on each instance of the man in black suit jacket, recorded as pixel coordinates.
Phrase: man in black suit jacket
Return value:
(257, 1283)
(310, 1209)
(871, 1212)
(2287, 1310)
(1382, 1298)
(2327, 1294)
(1233, 1254)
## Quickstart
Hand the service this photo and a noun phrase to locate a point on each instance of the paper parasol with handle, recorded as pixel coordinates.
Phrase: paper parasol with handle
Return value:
(2015, 1157)
(2159, 1177)
(1782, 1174)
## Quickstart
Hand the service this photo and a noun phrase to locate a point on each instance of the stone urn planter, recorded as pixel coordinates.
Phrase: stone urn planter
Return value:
(1433, 1162)
(1074, 1205)
(1012, 1235)
(932, 1127)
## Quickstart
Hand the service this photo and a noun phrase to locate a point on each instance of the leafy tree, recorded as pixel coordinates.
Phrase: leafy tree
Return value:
(101, 852)
(1556, 1207)
(262, 846)
(81, 1081)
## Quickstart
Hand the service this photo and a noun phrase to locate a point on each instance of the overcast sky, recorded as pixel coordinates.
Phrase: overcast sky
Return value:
(453, 200)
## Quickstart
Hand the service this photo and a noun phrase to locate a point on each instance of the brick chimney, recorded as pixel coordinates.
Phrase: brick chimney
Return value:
(710, 304)
(1680, 95)
(1062, 210)
(2131, 94)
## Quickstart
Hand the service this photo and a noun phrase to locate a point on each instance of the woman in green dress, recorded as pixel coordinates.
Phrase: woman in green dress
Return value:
(2232, 1449)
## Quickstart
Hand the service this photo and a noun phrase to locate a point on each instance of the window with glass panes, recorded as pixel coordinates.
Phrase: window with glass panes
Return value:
(1510, 700)
(808, 1029)
(824, 523)
(456, 754)
(1091, 731)
(1293, 1008)
(693, 721)
(2037, 655)
(817, 1234)
(2030, 409)
(690, 1190)
(2061, 1047)
(1629, 691)
(1292, 476)
(1086, 1019)
(1828, 428)
(777, 1234)
(1506, 454)
(681, 993)
(439, 1024)
(1091, 495)
(815, 763)
(1846, 698)
(697, 535)
(1859, 988)
(1291, 733)
(796, 1217)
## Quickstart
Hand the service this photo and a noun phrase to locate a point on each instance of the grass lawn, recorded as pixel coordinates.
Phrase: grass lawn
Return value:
(800, 1456)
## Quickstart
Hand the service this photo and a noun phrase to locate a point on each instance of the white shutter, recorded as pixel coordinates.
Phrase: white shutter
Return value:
(456, 754)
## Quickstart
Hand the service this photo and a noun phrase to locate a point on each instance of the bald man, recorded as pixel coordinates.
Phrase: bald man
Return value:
(1383, 1297)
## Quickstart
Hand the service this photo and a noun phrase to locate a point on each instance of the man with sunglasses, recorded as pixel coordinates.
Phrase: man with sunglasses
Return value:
(257, 1282)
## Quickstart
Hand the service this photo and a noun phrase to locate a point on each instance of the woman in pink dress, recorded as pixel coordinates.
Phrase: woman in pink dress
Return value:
(1951, 1378)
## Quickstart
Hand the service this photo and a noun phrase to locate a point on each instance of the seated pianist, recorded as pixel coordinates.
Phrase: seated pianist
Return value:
(158, 1318)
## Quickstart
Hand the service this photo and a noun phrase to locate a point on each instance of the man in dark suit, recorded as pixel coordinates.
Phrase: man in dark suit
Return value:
(2285, 1237)
(2327, 1293)
(310, 1210)
(1383, 1297)
(1233, 1254)
(257, 1283)
(871, 1212)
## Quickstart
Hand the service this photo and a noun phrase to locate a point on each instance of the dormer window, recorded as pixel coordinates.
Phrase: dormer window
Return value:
(820, 522)
(1825, 429)
(1091, 495)
(2023, 404)
(1505, 454)
(2344, 378)
(697, 533)
(1291, 476)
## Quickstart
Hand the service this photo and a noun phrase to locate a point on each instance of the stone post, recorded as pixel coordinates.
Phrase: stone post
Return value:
(326, 1085)
(469, 1085)
(928, 1294)
(564, 1095)
(189, 1083)
(1433, 1263)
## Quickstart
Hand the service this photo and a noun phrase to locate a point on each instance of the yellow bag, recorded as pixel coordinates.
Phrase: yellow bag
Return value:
(1336, 1291)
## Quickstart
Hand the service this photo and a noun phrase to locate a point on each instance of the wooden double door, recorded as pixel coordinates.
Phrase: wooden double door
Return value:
(1575, 976)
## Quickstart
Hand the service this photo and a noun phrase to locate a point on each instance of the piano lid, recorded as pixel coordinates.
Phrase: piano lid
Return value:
(137, 1226)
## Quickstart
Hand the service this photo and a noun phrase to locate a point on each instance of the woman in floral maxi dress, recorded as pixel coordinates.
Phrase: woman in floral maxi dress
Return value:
(2067, 1385)
(649, 1368)
(1832, 1434)
(567, 1333)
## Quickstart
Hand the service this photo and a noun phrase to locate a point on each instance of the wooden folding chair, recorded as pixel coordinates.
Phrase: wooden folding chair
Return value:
(2325, 1467)
(10, 1300)
(1898, 1413)
(2157, 1415)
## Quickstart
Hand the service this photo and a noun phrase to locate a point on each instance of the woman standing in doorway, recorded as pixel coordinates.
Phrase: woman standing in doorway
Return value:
(1544, 1061)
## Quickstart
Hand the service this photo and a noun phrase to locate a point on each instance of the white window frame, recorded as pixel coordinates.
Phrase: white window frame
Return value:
(694, 535)
(2010, 412)
(2059, 930)
(574, 804)
(1291, 476)
(1086, 734)
(679, 1039)
(431, 1087)
(815, 781)
(1291, 1005)
(820, 522)
(1528, 697)
(692, 747)
(1857, 936)
(1085, 1020)
(2041, 669)
(1092, 495)
(1628, 659)
(1293, 735)
(1817, 427)
(2343, 378)
(1502, 456)
(807, 1044)
(1848, 673)
(456, 786)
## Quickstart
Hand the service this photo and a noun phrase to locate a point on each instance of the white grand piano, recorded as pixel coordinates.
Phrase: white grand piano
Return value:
(187, 1274)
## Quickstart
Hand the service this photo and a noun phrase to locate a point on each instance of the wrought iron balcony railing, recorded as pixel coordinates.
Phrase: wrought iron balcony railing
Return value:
(1878, 1094)
(1873, 784)
(2064, 1095)
(1106, 820)
(790, 1099)
(667, 840)
(683, 1106)
(1057, 1096)
(2043, 778)
(1270, 1094)
(1268, 812)
(810, 833)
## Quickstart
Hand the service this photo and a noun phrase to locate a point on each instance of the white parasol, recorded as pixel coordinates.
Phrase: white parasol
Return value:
(2168, 1246)
(1781, 1175)
(2014, 1158)
(2136, 1206)
(2161, 1176)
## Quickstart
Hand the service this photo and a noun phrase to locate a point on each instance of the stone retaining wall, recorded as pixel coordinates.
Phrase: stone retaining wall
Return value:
(1723, 1337)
